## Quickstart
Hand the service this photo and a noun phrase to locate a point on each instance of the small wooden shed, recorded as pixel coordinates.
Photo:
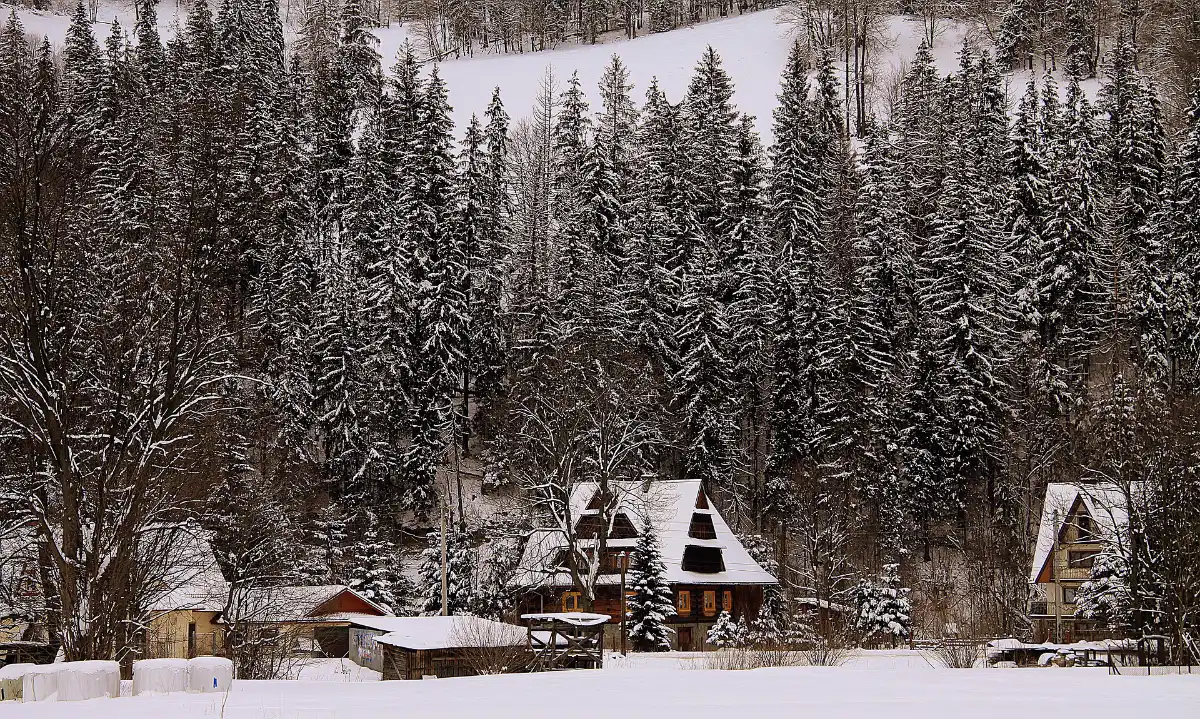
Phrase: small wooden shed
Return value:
(419, 647)
(567, 640)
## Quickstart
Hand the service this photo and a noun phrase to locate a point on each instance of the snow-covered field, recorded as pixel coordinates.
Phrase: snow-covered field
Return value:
(754, 48)
(891, 685)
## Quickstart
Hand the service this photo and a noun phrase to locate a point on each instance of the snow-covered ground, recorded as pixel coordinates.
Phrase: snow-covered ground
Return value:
(754, 48)
(895, 685)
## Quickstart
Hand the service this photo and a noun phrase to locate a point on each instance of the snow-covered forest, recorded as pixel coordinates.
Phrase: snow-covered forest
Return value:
(271, 289)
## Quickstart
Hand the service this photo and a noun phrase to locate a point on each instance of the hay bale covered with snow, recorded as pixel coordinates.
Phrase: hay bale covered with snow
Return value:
(40, 683)
(12, 677)
(79, 681)
(210, 674)
(160, 676)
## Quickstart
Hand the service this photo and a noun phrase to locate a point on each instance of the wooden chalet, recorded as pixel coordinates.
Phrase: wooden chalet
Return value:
(1078, 521)
(708, 569)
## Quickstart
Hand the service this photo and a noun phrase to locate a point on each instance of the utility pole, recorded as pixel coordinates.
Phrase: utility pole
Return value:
(624, 556)
(1058, 595)
(445, 578)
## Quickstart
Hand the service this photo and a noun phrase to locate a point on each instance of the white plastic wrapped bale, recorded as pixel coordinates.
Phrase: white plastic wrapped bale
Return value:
(40, 683)
(209, 674)
(79, 681)
(160, 676)
(12, 677)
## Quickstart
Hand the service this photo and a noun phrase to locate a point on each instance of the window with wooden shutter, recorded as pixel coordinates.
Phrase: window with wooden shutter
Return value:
(710, 603)
(570, 601)
(683, 603)
(727, 601)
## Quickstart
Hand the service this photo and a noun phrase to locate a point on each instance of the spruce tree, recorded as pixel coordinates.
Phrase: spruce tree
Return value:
(806, 313)
(572, 132)
(359, 59)
(1070, 289)
(725, 632)
(882, 609)
(460, 576)
(884, 317)
(710, 124)
(1183, 226)
(372, 568)
(651, 603)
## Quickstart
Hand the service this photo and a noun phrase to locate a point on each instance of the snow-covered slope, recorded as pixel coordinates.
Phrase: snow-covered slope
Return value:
(753, 47)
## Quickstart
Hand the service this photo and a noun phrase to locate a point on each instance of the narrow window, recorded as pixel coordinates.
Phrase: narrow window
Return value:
(1085, 530)
(570, 601)
(702, 527)
(727, 601)
(710, 603)
(683, 603)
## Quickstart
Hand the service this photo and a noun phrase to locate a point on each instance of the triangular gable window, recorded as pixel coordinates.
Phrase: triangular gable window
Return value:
(597, 502)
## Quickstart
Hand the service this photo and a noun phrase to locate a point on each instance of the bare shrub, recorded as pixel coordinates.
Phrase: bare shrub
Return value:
(749, 657)
(488, 647)
(826, 653)
(960, 654)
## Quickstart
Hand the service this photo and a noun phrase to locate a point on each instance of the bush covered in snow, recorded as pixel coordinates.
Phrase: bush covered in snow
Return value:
(882, 610)
(726, 632)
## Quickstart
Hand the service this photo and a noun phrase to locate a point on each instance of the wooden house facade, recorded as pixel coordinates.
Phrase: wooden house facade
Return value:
(707, 567)
(1078, 521)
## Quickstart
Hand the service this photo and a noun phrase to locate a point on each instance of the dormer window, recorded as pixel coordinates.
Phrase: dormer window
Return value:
(703, 560)
(702, 527)
(701, 500)
(588, 527)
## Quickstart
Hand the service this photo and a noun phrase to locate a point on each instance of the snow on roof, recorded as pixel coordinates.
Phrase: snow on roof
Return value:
(670, 506)
(299, 604)
(456, 632)
(578, 619)
(192, 580)
(813, 602)
(1105, 503)
(1009, 644)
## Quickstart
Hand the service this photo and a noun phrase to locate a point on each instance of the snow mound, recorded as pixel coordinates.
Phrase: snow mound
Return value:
(160, 676)
(78, 681)
(12, 676)
(210, 674)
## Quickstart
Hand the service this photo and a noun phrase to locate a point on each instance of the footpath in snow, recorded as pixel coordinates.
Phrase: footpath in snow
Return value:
(658, 688)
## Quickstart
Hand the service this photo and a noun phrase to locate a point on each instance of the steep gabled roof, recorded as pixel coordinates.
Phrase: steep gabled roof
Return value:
(306, 604)
(670, 505)
(1105, 503)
